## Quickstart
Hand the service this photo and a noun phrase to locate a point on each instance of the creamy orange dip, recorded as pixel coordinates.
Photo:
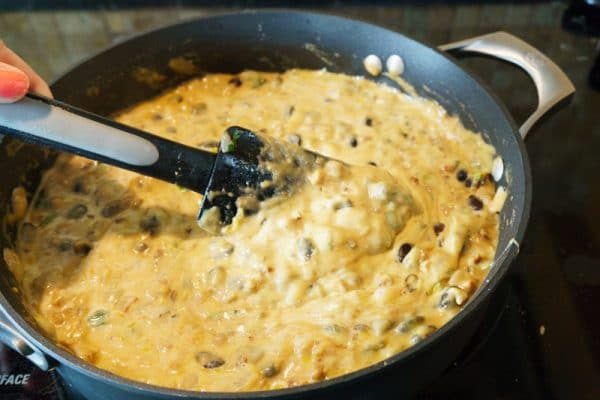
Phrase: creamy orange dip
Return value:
(360, 264)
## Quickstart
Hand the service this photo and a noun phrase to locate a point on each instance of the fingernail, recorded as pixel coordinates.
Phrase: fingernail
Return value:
(13, 83)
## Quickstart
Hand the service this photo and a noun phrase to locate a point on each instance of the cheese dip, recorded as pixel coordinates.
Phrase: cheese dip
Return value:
(373, 253)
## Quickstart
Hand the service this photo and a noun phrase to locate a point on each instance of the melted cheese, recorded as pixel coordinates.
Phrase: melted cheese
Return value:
(361, 263)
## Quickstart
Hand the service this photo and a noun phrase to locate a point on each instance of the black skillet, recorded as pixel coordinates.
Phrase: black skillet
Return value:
(276, 41)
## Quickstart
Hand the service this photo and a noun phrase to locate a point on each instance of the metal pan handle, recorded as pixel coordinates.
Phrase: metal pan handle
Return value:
(551, 82)
(13, 339)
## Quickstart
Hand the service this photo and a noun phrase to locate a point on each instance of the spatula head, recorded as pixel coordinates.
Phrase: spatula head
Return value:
(250, 169)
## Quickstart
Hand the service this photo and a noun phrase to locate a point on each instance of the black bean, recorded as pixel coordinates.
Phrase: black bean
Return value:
(353, 142)
(82, 248)
(235, 81)
(112, 208)
(475, 202)
(368, 121)
(150, 223)
(373, 163)
(305, 249)
(65, 245)
(450, 297)
(409, 324)
(461, 175)
(296, 161)
(445, 301)
(269, 371)
(77, 211)
(403, 250)
(438, 228)
(249, 211)
(178, 98)
(468, 182)
(209, 360)
(78, 187)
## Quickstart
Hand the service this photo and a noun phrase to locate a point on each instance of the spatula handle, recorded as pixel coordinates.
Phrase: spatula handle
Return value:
(49, 122)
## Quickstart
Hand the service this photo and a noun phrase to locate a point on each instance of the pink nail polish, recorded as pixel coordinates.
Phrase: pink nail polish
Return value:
(13, 83)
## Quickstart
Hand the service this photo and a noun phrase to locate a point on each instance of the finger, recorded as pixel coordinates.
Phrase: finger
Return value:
(14, 83)
(36, 83)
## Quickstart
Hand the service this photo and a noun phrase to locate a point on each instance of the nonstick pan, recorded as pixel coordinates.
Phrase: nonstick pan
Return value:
(139, 68)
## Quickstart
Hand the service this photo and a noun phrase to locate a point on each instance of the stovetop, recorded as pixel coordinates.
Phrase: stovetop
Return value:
(543, 339)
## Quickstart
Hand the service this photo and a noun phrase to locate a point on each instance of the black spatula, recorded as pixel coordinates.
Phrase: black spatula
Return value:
(247, 166)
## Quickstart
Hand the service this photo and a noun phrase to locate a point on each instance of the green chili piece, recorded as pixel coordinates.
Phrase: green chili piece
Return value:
(97, 318)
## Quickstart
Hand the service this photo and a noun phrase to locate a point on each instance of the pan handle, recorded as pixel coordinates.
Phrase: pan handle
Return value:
(551, 82)
(13, 339)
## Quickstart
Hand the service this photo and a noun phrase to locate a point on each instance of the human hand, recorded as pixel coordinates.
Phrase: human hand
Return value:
(16, 77)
